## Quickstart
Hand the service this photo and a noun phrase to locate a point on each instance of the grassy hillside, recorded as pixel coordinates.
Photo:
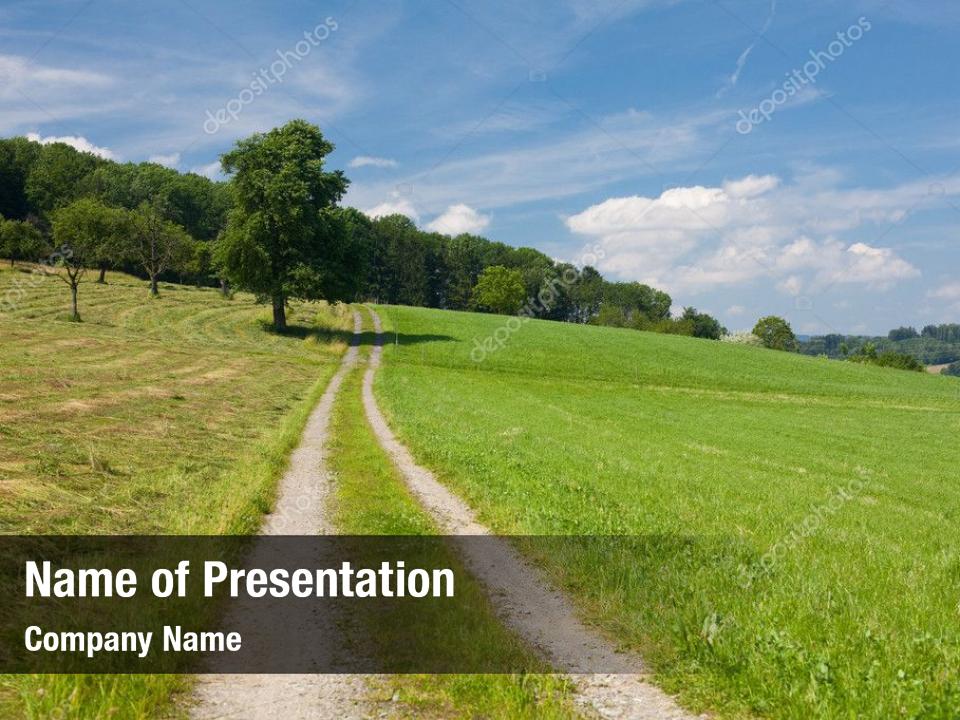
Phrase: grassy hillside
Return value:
(799, 554)
(172, 415)
(129, 421)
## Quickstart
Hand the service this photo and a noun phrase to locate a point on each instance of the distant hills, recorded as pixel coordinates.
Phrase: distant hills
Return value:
(933, 345)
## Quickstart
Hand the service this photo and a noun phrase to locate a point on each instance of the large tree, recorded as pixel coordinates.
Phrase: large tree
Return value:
(283, 239)
(775, 333)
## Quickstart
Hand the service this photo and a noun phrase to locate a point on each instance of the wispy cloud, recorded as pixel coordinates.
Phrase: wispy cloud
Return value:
(625, 145)
(950, 291)
(171, 161)
(745, 54)
(210, 170)
(18, 73)
(371, 161)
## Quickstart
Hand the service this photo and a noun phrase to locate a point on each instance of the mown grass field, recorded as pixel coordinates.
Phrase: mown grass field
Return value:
(797, 516)
(169, 415)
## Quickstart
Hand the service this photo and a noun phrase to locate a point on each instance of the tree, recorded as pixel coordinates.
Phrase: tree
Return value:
(20, 241)
(586, 293)
(641, 304)
(281, 240)
(81, 230)
(17, 156)
(196, 203)
(704, 325)
(499, 290)
(869, 354)
(775, 333)
(399, 267)
(56, 177)
(903, 333)
(156, 244)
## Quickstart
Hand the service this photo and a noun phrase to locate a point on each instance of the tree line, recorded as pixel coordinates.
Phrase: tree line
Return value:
(933, 345)
(276, 228)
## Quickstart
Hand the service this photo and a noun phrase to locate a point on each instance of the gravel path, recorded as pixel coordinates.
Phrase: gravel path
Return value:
(300, 510)
(515, 586)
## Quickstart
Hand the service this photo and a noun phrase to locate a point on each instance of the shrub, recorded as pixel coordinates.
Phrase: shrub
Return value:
(887, 358)
(743, 337)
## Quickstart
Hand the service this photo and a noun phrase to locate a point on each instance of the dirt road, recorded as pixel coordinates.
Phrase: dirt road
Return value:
(515, 586)
(301, 509)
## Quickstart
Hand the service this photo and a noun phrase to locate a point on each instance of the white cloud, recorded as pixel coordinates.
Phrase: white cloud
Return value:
(210, 170)
(459, 219)
(394, 207)
(79, 143)
(950, 291)
(791, 285)
(691, 239)
(171, 161)
(371, 161)
(736, 310)
(878, 267)
(751, 186)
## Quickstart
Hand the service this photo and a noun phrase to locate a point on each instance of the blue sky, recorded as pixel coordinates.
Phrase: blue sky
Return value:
(750, 157)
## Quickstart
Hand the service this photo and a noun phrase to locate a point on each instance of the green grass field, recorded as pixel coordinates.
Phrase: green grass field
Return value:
(797, 515)
(371, 499)
(796, 551)
(174, 415)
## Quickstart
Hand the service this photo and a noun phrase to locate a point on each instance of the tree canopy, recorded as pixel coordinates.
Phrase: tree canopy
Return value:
(20, 240)
(155, 243)
(775, 333)
(282, 239)
(82, 230)
(499, 290)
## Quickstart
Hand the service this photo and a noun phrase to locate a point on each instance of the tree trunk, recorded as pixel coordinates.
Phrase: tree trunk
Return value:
(73, 302)
(154, 290)
(103, 275)
(279, 312)
(12, 260)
